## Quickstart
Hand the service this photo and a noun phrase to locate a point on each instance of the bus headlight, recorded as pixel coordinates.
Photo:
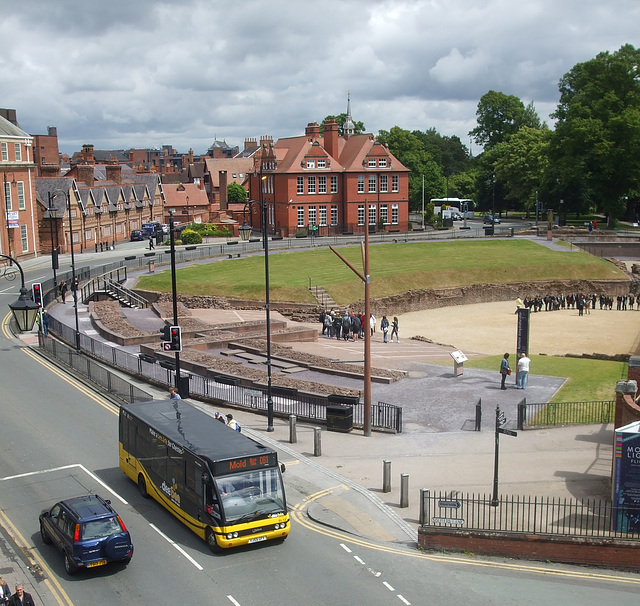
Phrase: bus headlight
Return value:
(232, 535)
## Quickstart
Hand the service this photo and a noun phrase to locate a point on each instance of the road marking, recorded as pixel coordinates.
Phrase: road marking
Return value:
(174, 544)
(359, 560)
(407, 602)
(34, 559)
(388, 586)
(235, 602)
(78, 465)
(345, 548)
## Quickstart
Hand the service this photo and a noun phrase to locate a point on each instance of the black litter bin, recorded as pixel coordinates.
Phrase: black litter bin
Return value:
(339, 418)
(488, 230)
(183, 386)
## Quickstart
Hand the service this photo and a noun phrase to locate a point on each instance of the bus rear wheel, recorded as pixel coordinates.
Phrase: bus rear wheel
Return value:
(142, 486)
(211, 541)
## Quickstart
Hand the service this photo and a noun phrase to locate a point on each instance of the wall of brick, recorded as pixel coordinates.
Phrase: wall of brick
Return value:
(621, 554)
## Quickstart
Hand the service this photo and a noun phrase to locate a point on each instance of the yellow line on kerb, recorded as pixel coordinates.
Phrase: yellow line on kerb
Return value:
(51, 582)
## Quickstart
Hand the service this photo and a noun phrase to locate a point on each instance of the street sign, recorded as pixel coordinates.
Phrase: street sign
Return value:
(508, 432)
(449, 504)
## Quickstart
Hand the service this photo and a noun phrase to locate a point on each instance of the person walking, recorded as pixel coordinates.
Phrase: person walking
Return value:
(372, 324)
(5, 592)
(328, 325)
(523, 371)
(173, 394)
(231, 422)
(394, 329)
(505, 370)
(384, 327)
(20, 597)
(63, 290)
(45, 322)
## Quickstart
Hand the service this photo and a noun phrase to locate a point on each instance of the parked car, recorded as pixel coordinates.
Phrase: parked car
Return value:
(137, 235)
(88, 531)
(456, 216)
(490, 219)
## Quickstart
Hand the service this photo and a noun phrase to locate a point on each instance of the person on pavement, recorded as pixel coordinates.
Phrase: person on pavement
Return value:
(505, 370)
(21, 597)
(523, 371)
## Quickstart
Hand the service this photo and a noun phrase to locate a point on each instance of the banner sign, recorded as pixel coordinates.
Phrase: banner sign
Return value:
(523, 330)
(12, 219)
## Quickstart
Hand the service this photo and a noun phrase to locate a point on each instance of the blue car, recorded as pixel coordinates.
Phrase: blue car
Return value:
(88, 531)
(137, 235)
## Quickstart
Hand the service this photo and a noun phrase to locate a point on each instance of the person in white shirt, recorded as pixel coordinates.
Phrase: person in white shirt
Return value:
(523, 371)
(372, 324)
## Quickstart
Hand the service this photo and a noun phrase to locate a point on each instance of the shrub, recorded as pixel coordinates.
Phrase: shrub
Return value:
(189, 236)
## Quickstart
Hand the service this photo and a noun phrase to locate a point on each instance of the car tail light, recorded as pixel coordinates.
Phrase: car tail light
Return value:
(76, 534)
(124, 528)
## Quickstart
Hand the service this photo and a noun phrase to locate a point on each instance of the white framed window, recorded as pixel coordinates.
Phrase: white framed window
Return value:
(334, 214)
(106, 230)
(21, 201)
(360, 214)
(311, 163)
(334, 184)
(300, 185)
(7, 196)
(311, 185)
(384, 214)
(371, 163)
(88, 233)
(313, 215)
(372, 214)
(322, 164)
(18, 151)
(394, 214)
(372, 183)
(24, 239)
(300, 216)
(322, 185)
(382, 163)
(395, 183)
(322, 215)
(4, 149)
(384, 183)
(360, 184)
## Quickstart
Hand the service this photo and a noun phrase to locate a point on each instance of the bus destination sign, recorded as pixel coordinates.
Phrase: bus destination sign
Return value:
(238, 464)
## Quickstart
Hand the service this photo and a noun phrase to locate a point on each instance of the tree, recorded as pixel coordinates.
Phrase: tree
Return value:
(499, 116)
(596, 146)
(236, 193)
(520, 163)
(340, 120)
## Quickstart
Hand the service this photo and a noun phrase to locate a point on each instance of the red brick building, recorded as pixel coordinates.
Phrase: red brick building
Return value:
(331, 182)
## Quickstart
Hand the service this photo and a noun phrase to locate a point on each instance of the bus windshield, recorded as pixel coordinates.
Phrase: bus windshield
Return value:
(251, 495)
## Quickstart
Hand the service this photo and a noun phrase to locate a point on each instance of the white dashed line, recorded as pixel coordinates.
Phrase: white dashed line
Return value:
(388, 586)
(357, 559)
(407, 602)
(345, 548)
(174, 544)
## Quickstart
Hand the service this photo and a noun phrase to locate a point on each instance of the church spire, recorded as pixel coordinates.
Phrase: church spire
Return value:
(349, 127)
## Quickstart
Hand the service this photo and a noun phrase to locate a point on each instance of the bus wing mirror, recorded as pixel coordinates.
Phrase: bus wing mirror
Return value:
(282, 467)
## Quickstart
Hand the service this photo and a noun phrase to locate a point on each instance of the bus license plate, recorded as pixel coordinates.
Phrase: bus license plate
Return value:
(96, 563)
(258, 539)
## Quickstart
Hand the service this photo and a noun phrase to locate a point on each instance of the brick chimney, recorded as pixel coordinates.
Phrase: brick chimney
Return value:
(224, 201)
(331, 138)
(312, 131)
(85, 174)
(249, 143)
(114, 173)
(87, 154)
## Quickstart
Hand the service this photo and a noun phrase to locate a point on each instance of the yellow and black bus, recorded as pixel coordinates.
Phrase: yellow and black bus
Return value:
(224, 486)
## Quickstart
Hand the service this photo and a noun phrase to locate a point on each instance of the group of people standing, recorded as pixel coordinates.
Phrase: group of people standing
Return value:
(352, 326)
(522, 375)
(584, 303)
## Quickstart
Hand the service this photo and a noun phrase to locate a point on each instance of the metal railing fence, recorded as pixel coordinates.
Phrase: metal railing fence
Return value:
(530, 515)
(565, 413)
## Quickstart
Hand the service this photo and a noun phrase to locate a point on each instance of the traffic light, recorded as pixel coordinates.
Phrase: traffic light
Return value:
(166, 335)
(176, 338)
(36, 291)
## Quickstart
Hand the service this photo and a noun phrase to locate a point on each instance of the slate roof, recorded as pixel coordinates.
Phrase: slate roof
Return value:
(8, 129)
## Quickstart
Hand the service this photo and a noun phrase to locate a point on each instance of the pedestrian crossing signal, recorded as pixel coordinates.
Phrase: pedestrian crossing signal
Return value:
(36, 291)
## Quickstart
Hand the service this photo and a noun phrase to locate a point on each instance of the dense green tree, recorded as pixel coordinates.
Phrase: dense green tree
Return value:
(596, 146)
(520, 163)
(409, 149)
(448, 152)
(340, 120)
(499, 116)
(236, 193)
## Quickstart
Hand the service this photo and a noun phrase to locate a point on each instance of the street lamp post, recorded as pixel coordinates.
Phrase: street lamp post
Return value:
(245, 234)
(52, 210)
(24, 310)
(174, 296)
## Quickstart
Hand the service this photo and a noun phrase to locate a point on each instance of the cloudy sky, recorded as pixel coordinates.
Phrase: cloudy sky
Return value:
(143, 73)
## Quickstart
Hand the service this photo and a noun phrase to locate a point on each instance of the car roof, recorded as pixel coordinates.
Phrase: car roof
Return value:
(88, 507)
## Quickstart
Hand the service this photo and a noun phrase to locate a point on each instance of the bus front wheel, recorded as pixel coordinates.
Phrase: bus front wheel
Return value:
(211, 541)
(142, 486)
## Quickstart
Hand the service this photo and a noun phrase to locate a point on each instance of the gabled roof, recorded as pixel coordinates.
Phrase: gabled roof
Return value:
(237, 169)
(8, 129)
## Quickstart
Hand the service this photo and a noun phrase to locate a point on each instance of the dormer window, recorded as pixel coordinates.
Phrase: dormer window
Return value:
(322, 164)
(311, 163)
(382, 163)
(372, 163)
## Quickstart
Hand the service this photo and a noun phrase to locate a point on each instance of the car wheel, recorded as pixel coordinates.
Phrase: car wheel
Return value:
(212, 542)
(45, 537)
(142, 486)
(69, 564)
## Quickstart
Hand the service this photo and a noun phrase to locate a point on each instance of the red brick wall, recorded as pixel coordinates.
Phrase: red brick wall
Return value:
(609, 553)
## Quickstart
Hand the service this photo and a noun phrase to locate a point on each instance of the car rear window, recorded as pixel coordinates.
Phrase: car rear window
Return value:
(98, 529)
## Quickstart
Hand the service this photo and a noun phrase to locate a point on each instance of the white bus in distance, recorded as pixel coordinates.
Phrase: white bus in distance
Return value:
(453, 208)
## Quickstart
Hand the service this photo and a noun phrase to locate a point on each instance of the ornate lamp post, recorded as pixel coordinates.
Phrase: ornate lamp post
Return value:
(24, 310)
(53, 211)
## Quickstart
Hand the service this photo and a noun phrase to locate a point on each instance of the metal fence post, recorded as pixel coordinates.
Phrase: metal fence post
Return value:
(522, 413)
(386, 476)
(293, 438)
(479, 415)
(404, 490)
(424, 506)
(317, 442)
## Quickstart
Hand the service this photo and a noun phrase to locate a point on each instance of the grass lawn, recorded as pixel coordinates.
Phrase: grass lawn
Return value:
(395, 268)
(587, 380)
